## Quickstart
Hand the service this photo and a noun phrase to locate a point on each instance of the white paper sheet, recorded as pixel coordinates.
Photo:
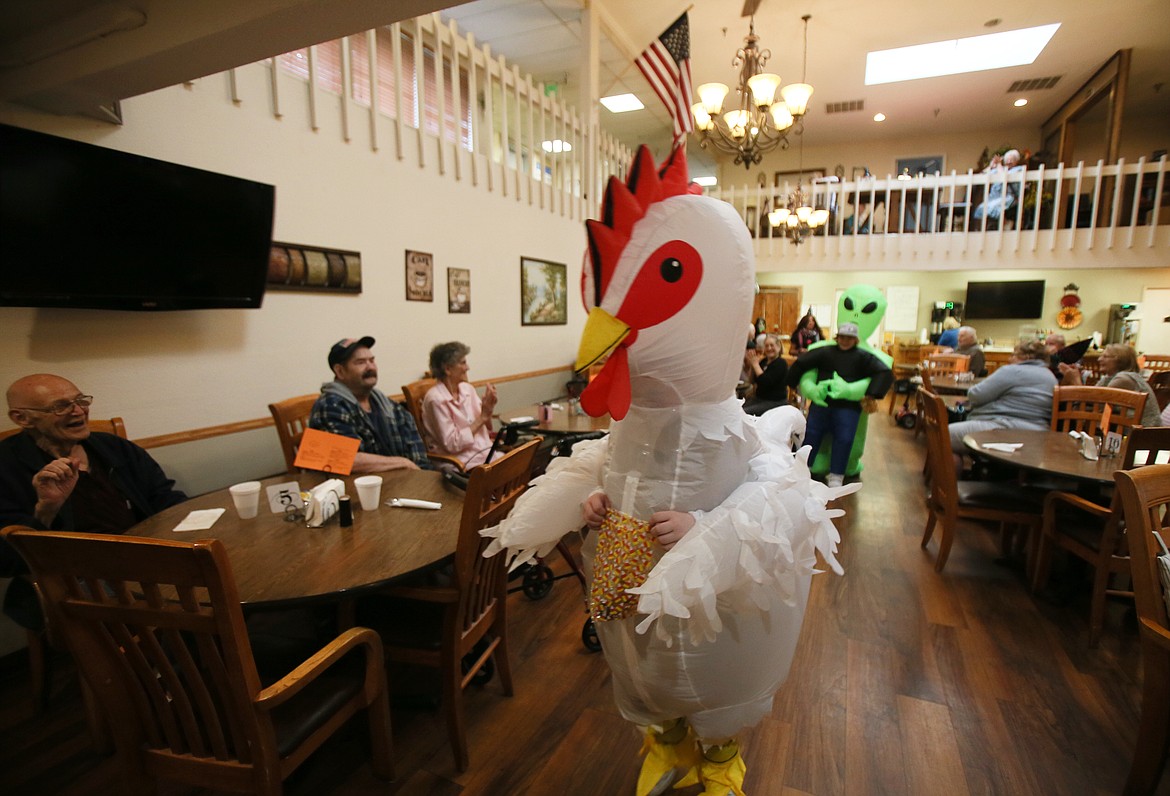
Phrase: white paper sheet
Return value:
(199, 520)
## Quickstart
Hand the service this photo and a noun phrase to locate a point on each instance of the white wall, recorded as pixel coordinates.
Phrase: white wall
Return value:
(166, 372)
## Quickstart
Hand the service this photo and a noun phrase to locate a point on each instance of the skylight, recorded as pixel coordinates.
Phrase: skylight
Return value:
(706, 182)
(622, 103)
(957, 56)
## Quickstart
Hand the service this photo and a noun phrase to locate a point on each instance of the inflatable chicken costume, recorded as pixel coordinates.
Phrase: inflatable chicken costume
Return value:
(699, 633)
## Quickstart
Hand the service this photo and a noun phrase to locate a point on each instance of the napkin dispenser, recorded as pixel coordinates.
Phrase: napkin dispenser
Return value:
(323, 502)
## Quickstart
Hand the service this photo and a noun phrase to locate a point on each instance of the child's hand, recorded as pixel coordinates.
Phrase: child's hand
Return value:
(594, 509)
(668, 527)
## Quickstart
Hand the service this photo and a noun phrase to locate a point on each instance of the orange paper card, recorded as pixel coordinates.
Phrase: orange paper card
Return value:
(329, 453)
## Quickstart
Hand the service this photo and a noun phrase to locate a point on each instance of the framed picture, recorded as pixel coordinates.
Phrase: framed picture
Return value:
(927, 165)
(543, 293)
(792, 177)
(420, 279)
(458, 290)
(293, 266)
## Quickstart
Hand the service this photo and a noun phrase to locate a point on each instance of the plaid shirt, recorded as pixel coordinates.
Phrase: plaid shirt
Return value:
(336, 415)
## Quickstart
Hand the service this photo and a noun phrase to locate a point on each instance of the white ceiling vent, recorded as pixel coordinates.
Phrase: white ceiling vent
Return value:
(845, 107)
(1033, 84)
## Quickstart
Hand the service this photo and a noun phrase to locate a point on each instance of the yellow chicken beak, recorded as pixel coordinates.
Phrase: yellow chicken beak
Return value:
(603, 333)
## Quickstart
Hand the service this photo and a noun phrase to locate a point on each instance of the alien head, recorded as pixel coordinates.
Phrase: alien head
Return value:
(863, 305)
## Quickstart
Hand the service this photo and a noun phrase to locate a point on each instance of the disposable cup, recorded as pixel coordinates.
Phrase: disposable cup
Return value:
(246, 496)
(369, 489)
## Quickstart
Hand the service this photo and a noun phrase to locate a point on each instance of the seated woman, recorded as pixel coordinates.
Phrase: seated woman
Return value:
(1119, 369)
(998, 200)
(768, 373)
(455, 420)
(1018, 395)
(807, 332)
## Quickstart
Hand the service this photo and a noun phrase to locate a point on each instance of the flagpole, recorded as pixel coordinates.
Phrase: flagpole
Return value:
(622, 74)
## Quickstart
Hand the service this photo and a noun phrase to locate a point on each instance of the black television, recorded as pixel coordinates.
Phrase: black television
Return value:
(1004, 300)
(91, 227)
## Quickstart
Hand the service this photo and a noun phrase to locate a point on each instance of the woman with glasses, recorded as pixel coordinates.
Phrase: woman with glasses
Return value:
(1119, 369)
(55, 474)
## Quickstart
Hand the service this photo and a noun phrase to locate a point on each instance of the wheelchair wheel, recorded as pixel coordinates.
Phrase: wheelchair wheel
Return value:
(538, 582)
(589, 636)
(907, 420)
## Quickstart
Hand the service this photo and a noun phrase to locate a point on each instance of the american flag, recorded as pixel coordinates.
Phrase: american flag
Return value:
(666, 63)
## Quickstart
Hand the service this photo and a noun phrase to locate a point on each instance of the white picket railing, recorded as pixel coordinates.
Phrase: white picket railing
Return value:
(1081, 207)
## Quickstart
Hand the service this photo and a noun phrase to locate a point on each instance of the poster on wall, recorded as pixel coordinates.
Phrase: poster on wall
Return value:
(458, 290)
(543, 293)
(420, 281)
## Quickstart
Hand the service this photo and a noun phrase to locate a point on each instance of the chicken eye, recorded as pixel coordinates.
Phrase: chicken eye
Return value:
(671, 269)
(870, 307)
(848, 303)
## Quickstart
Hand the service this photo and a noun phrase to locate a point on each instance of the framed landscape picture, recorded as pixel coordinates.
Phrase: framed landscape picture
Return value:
(926, 165)
(543, 293)
(792, 177)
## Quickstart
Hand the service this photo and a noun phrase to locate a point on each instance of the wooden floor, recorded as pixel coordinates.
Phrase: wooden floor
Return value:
(905, 682)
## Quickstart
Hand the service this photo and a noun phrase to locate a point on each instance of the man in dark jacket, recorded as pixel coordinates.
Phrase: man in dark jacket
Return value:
(57, 475)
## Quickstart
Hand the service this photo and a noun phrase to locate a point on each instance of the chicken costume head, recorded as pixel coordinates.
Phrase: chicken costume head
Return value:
(668, 280)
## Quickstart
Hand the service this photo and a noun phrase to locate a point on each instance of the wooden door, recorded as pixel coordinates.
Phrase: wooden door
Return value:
(780, 307)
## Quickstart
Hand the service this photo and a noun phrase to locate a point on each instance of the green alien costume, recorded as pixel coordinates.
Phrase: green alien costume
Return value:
(864, 305)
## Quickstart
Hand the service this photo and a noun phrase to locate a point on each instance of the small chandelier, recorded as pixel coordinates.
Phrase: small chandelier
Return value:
(798, 220)
(760, 123)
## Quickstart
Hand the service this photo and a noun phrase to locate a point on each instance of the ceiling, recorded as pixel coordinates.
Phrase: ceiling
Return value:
(46, 62)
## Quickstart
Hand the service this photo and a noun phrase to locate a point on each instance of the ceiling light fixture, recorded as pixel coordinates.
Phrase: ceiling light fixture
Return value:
(622, 103)
(879, 117)
(1021, 102)
(758, 123)
(797, 217)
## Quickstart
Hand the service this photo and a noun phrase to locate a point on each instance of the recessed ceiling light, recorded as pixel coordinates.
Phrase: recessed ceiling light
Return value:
(622, 103)
(958, 56)
(556, 145)
(879, 117)
(1021, 102)
(706, 182)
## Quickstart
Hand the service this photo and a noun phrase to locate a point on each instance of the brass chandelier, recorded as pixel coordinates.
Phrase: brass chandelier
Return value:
(798, 219)
(760, 122)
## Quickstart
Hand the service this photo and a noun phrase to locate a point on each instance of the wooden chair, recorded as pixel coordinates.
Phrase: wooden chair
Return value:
(951, 500)
(1076, 408)
(413, 394)
(1145, 496)
(291, 417)
(439, 626)
(1156, 363)
(175, 676)
(1095, 533)
(1090, 370)
(919, 408)
(946, 364)
(38, 640)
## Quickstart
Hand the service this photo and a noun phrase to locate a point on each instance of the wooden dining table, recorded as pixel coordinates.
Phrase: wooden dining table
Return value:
(953, 386)
(1043, 451)
(279, 562)
(563, 420)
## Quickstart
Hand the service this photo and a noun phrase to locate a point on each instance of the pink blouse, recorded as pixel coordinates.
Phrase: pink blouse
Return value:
(447, 423)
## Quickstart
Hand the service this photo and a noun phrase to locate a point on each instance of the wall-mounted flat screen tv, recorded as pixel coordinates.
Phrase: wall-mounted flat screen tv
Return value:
(1004, 300)
(86, 226)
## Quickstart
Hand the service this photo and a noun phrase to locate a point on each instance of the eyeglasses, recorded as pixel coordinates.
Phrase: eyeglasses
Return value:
(61, 407)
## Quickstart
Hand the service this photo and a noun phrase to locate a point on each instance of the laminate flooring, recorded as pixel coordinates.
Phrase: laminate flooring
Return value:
(905, 681)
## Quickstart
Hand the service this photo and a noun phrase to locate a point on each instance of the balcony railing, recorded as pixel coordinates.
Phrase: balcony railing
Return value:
(1125, 206)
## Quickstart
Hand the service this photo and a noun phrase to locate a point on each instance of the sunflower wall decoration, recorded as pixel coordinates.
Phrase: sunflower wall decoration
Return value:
(1070, 315)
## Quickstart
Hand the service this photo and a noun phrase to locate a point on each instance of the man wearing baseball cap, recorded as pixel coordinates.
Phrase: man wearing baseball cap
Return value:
(352, 406)
(845, 375)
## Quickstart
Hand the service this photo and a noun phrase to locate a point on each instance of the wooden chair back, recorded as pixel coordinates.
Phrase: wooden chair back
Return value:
(1156, 363)
(158, 633)
(114, 426)
(943, 497)
(1146, 445)
(1090, 369)
(1145, 499)
(1076, 408)
(947, 364)
(413, 395)
(291, 417)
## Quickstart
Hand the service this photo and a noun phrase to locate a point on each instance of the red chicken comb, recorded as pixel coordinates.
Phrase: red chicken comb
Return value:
(623, 206)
